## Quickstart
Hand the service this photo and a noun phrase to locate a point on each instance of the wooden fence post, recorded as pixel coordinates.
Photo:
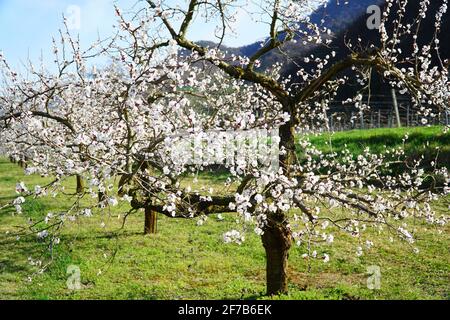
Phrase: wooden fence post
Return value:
(397, 113)
(408, 123)
(362, 119)
(379, 118)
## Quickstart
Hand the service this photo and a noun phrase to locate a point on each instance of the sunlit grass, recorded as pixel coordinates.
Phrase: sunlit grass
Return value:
(421, 141)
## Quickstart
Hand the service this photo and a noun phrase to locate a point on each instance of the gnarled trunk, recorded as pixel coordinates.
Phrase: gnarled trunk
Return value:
(287, 142)
(277, 238)
(277, 242)
(151, 219)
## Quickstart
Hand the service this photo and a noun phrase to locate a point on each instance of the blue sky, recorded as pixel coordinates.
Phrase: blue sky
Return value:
(27, 26)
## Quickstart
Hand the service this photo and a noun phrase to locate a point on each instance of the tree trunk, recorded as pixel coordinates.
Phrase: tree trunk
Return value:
(287, 141)
(277, 242)
(276, 238)
(150, 221)
(80, 184)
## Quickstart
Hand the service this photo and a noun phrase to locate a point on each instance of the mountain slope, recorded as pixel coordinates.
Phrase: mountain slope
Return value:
(337, 15)
(358, 29)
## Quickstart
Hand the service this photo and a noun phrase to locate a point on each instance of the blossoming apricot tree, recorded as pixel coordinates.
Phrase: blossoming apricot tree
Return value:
(126, 120)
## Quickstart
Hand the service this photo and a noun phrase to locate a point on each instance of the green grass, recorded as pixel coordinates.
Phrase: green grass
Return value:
(421, 141)
(186, 261)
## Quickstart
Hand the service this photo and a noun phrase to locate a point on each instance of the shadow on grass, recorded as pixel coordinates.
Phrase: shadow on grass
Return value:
(98, 236)
(14, 255)
(7, 198)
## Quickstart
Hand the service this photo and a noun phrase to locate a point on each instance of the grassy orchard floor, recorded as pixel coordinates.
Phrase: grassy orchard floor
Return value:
(186, 261)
